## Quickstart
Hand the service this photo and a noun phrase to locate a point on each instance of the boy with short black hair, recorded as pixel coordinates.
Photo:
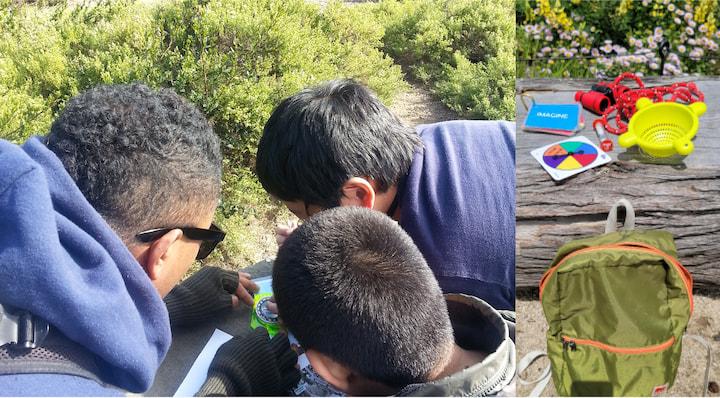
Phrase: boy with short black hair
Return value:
(356, 292)
(451, 185)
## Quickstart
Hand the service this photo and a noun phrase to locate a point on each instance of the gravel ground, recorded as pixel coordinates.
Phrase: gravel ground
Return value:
(705, 322)
(418, 106)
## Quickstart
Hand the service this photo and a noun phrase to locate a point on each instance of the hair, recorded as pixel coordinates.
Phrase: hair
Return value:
(320, 137)
(142, 158)
(351, 284)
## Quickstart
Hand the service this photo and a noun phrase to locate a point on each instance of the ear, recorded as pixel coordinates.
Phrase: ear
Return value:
(334, 373)
(154, 259)
(357, 191)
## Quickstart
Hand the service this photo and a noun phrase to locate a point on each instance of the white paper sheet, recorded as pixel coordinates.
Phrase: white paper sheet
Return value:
(198, 372)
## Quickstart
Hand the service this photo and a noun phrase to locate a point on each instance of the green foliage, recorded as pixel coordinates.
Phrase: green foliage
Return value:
(463, 48)
(234, 59)
(32, 70)
(480, 90)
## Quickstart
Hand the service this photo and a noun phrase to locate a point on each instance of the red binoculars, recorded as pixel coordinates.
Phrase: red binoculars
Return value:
(597, 99)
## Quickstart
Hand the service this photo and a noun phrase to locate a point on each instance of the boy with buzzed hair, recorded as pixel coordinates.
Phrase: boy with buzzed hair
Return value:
(353, 288)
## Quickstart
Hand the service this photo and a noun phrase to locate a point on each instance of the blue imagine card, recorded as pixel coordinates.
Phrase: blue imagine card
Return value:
(554, 118)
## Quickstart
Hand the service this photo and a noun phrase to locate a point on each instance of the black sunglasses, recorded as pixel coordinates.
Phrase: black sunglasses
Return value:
(209, 237)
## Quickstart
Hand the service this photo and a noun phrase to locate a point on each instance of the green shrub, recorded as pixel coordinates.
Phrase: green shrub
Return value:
(460, 47)
(480, 90)
(234, 59)
(33, 70)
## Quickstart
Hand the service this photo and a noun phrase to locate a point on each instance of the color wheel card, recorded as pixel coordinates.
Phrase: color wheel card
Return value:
(567, 158)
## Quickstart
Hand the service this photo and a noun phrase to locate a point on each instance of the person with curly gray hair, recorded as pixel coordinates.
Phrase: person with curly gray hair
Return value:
(99, 220)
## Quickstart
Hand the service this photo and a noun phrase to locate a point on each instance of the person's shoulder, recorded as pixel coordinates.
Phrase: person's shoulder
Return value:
(14, 163)
(53, 385)
(472, 126)
(484, 133)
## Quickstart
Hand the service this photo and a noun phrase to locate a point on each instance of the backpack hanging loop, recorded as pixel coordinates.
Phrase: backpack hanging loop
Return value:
(629, 224)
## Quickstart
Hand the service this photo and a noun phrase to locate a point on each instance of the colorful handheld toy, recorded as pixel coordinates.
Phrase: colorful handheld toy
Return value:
(663, 129)
(261, 315)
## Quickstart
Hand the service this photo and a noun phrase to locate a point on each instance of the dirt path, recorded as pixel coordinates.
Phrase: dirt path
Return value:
(419, 106)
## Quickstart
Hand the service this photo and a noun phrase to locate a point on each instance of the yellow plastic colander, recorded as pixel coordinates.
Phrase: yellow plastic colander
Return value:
(663, 129)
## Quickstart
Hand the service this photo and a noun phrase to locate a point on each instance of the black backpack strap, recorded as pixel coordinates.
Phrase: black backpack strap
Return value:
(29, 346)
(20, 328)
(57, 357)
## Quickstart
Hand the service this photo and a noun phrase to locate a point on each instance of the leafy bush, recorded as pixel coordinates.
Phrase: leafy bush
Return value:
(463, 48)
(235, 59)
(603, 38)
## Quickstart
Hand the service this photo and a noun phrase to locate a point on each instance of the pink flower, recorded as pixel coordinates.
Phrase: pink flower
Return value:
(681, 49)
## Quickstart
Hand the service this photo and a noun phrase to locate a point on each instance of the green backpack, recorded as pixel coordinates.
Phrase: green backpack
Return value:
(617, 306)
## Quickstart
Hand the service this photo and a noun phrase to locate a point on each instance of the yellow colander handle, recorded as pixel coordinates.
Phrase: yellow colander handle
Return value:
(698, 108)
(684, 146)
(628, 139)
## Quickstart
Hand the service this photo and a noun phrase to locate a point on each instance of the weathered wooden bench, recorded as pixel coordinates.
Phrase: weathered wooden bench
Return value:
(683, 198)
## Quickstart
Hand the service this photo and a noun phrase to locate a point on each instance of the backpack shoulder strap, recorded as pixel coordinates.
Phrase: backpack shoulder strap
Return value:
(541, 381)
(57, 356)
(30, 346)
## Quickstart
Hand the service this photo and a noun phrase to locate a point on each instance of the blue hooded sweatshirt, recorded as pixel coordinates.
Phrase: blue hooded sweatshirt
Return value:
(458, 205)
(61, 261)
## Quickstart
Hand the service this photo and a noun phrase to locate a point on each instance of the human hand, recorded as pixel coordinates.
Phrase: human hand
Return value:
(282, 231)
(272, 306)
(207, 292)
(245, 289)
(252, 365)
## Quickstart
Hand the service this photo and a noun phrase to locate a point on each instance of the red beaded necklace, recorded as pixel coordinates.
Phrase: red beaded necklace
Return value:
(626, 97)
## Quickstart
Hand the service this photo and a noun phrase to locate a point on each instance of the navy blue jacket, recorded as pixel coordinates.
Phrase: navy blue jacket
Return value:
(61, 261)
(458, 205)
